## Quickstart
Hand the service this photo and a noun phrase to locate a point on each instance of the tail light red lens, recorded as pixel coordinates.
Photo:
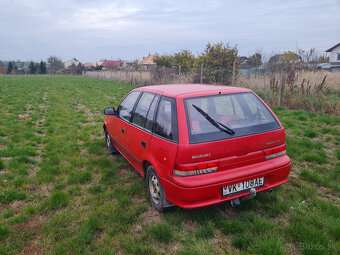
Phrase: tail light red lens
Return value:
(275, 151)
(196, 168)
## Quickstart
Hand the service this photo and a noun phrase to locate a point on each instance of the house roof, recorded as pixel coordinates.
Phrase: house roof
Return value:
(276, 58)
(112, 63)
(330, 49)
(72, 60)
(148, 60)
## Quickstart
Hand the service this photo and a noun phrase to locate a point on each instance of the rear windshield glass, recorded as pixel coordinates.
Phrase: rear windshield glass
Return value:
(242, 113)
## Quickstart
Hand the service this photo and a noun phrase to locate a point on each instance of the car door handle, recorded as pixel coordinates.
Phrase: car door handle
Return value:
(123, 130)
(143, 144)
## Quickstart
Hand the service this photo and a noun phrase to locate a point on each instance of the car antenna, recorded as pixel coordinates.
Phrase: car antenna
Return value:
(219, 93)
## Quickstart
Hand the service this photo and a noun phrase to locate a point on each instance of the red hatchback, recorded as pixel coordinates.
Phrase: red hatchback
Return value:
(199, 145)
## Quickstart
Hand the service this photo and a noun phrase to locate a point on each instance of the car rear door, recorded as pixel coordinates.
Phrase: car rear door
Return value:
(138, 139)
(164, 142)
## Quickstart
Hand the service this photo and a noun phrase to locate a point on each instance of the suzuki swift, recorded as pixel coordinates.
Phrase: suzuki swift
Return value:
(199, 145)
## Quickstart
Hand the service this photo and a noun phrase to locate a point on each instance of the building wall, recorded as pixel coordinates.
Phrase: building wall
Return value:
(68, 63)
(334, 55)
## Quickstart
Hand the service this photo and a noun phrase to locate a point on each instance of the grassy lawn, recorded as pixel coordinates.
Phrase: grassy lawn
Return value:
(62, 193)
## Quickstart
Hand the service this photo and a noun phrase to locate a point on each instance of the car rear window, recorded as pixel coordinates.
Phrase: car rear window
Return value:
(244, 113)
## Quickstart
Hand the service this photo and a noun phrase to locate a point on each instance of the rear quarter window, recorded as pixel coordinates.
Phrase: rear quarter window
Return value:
(166, 120)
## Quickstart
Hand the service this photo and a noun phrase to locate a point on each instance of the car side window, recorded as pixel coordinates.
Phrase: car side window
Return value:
(151, 113)
(166, 120)
(126, 107)
(142, 109)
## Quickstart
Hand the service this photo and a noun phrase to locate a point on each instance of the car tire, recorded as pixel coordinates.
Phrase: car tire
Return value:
(155, 190)
(111, 149)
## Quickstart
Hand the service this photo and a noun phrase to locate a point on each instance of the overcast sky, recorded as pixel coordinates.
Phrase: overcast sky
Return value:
(91, 30)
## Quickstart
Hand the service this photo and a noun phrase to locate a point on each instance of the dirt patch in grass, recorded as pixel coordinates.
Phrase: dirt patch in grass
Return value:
(23, 116)
(33, 170)
(17, 204)
(221, 243)
(33, 226)
(327, 195)
(189, 226)
(150, 216)
(92, 123)
(33, 248)
(96, 136)
(44, 190)
(124, 172)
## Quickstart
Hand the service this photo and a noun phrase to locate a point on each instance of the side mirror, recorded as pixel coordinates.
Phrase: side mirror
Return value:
(109, 111)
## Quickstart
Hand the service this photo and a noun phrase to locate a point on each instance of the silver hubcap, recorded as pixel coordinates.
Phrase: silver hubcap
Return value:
(108, 141)
(154, 188)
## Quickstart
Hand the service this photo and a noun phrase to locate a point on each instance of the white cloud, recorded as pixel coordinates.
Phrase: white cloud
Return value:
(101, 17)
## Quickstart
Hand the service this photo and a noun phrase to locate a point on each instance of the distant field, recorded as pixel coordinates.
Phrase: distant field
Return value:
(62, 193)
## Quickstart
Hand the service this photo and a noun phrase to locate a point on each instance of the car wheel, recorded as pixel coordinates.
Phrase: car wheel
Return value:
(111, 149)
(155, 190)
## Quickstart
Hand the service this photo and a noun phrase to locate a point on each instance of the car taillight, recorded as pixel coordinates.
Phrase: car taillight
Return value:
(195, 169)
(275, 151)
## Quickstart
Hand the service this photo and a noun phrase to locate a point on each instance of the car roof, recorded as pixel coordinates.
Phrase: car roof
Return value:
(189, 90)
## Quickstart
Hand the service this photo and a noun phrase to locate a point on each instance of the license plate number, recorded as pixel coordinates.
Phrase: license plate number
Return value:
(242, 186)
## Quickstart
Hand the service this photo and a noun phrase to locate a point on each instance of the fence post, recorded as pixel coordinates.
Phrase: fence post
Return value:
(179, 74)
(201, 77)
(233, 78)
(140, 77)
(280, 89)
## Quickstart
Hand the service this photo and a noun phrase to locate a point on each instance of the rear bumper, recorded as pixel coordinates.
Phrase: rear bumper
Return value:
(205, 190)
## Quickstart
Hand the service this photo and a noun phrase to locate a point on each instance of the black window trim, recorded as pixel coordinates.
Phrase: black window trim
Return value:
(153, 120)
(226, 138)
(176, 141)
(133, 108)
(152, 131)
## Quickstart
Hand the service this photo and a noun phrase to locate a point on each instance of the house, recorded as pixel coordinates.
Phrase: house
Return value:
(147, 62)
(242, 60)
(70, 62)
(89, 65)
(279, 58)
(334, 57)
(128, 63)
(110, 64)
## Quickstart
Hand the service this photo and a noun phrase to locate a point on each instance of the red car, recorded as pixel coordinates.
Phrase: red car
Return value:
(199, 145)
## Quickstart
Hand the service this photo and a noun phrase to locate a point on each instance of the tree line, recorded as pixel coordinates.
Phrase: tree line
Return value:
(53, 65)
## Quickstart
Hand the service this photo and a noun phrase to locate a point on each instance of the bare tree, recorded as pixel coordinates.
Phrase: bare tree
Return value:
(55, 64)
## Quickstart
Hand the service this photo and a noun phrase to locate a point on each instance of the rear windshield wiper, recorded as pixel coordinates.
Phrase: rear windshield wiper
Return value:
(215, 123)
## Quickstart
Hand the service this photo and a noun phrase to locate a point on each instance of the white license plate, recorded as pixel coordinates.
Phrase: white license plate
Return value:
(242, 186)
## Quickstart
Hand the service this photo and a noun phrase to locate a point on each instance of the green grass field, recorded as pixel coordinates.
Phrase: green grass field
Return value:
(62, 193)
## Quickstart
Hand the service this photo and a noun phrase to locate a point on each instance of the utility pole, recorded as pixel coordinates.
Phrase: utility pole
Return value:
(280, 89)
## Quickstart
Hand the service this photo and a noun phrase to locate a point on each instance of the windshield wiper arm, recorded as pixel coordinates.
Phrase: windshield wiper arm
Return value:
(215, 123)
